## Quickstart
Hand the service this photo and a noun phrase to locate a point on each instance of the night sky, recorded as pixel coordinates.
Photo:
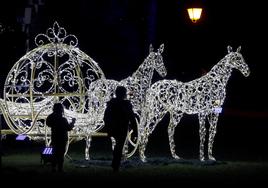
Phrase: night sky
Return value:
(117, 34)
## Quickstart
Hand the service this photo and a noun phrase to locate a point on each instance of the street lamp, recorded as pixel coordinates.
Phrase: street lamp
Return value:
(194, 14)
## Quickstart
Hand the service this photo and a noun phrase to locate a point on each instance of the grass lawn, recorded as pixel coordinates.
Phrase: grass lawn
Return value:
(23, 164)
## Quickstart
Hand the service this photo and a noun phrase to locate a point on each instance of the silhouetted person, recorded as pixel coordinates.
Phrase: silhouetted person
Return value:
(59, 135)
(119, 117)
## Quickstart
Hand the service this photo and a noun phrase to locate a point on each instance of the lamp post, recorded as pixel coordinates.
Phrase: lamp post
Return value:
(1, 31)
(0, 140)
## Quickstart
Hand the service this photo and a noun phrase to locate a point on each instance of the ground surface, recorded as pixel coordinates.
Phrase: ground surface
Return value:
(21, 162)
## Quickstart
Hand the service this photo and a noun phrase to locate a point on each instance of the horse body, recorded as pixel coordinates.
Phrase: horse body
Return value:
(202, 96)
(137, 84)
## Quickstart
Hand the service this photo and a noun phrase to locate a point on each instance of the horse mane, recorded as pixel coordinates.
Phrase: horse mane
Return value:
(140, 68)
(219, 68)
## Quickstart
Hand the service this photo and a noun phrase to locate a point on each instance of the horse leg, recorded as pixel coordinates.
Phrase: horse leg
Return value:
(88, 142)
(113, 142)
(171, 130)
(143, 143)
(202, 135)
(213, 120)
(125, 149)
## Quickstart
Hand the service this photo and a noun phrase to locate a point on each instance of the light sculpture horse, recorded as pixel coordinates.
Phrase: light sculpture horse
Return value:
(203, 96)
(102, 90)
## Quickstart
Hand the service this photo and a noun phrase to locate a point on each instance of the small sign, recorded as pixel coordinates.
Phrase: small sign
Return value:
(21, 137)
(218, 110)
(47, 151)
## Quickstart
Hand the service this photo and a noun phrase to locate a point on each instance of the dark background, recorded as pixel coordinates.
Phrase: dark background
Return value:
(117, 34)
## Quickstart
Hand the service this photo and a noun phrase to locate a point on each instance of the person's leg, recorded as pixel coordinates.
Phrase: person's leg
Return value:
(60, 160)
(54, 161)
(60, 163)
(117, 153)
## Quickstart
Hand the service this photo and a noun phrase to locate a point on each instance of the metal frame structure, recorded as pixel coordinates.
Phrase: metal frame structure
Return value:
(55, 71)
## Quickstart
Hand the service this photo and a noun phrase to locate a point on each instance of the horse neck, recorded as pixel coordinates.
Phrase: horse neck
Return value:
(221, 70)
(145, 72)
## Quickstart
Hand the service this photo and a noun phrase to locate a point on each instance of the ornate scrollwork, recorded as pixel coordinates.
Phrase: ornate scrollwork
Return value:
(56, 70)
(56, 35)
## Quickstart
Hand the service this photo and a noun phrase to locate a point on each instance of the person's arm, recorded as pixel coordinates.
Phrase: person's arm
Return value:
(107, 119)
(48, 121)
(133, 123)
(69, 126)
(73, 121)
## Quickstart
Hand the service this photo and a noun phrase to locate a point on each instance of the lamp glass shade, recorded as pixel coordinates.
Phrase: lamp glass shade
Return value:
(194, 13)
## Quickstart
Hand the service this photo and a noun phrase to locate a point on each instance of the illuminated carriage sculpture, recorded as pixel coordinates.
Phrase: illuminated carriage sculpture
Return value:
(55, 71)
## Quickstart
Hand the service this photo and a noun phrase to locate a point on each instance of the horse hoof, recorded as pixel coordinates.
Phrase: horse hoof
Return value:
(144, 160)
(202, 159)
(212, 158)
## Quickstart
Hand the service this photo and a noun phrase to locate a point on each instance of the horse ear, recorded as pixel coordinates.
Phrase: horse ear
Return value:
(161, 48)
(229, 48)
(238, 49)
(151, 48)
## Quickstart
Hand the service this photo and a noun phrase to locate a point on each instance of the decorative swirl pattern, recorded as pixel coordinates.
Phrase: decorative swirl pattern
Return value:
(55, 71)
(56, 35)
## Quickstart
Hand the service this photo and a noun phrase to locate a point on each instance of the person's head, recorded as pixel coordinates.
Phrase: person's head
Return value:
(58, 108)
(121, 92)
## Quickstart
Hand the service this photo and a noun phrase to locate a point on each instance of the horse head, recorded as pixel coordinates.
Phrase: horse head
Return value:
(237, 61)
(158, 63)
